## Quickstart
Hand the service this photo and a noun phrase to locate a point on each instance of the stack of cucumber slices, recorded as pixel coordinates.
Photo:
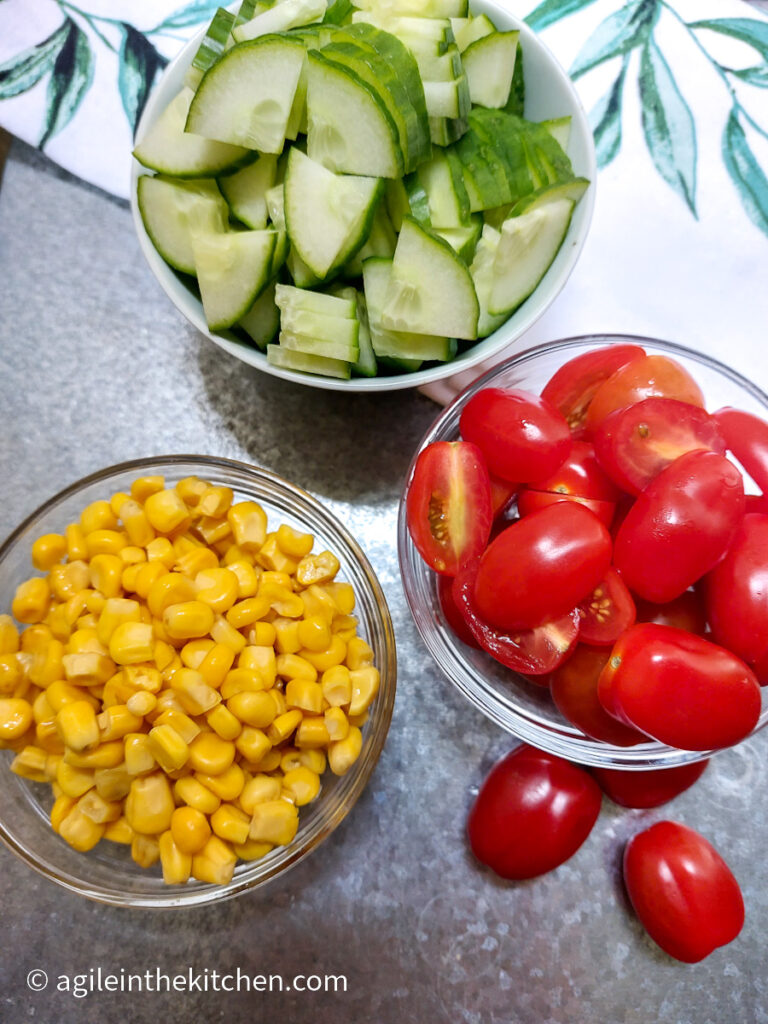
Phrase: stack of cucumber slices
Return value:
(355, 188)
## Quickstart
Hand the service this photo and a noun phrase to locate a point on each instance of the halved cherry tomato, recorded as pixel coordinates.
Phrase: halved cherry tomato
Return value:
(574, 690)
(648, 789)
(746, 436)
(581, 475)
(634, 444)
(540, 567)
(448, 505)
(682, 890)
(531, 501)
(684, 612)
(679, 688)
(532, 652)
(453, 615)
(680, 526)
(573, 387)
(607, 612)
(657, 376)
(532, 813)
(521, 435)
(502, 493)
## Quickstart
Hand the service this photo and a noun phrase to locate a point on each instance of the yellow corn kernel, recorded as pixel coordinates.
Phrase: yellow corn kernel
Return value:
(132, 555)
(223, 633)
(247, 576)
(30, 763)
(176, 865)
(47, 665)
(246, 612)
(282, 600)
(334, 654)
(15, 718)
(169, 749)
(216, 664)
(41, 708)
(131, 643)
(359, 654)
(318, 602)
(9, 635)
(313, 759)
(139, 758)
(46, 736)
(144, 486)
(68, 580)
(112, 784)
(11, 673)
(116, 611)
(270, 762)
(254, 708)
(292, 543)
(75, 538)
(62, 805)
(286, 636)
(283, 726)
(105, 542)
(114, 722)
(165, 511)
(365, 686)
(97, 516)
(302, 785)
(74, 781)
(279, 698)
(77, 725)
(336, 723)
(301, 692)
(31, 600)
(214, 501)
(345, 626)
(321, 568)
(195, 695)
(343, 596)
(168, 589)
(274, 821)
(80, 831)
(260, 634)
(119, 832)
(106, 755)
(88, 622)
(242, 680)
(228, 785)
(290, 759)
(141, 703)
(191, 489)
(188, 619)
(161, 550)
(60, 693)
(98, 809)
(249, 524)
(48, 550)
(149, 804)
(252, 744)
(195, 795)
(292, 666)
(140, 531)
(259, 789)
(190, 828)
(145, 850)
(117, 501)
(146, 575)
(312, 734)
(252, 850)
(224, 723)
(230, 823)
(210, 754)
(213, 530)
(106, 574)
(343, 753)
(215, 863)
(261, 659)
(314, 633)
(196, 560)
(142, 677)
(216, 588)
(130, 576)
(86, 639)
(185, 726)
(271, 557)
(52, 762)
(167, 700)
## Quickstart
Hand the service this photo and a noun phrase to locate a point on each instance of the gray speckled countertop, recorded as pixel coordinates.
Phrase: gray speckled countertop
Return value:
(96, 367)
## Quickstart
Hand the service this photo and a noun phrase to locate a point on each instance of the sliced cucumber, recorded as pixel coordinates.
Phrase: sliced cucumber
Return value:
(217, 39)
(275, 200)
(246, 98)
(447, 198)
(516, 102)
(482, 275)
(447, 99)
(467, 30)
(285, 359)
(288, 297)
(169, 149)
(463, 240)
(332, 329)
(417, 8)
(377, 275)
(262, 321)
(282, 16)
(297, 119)
(246, 191)
(339, 12)
(445, 130)
(560, 130)
(572, 190)
(232, 270)
(300, 273)
(172, 210)
(396, 201)
(380, 242)
(489, 65)
(366, 365)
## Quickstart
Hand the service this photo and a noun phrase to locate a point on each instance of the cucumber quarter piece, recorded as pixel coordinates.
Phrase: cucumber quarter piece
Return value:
(560, 130)
(247, 97)
(447, 99)
(365, 365)
(572, 190)
(328, 215)
(525, 252)
(339, 307)
(430, 290)
(217, 39)
(463, 240)
(489, 65)
(168, 148)
(279, 18)
(173, 209)
(482, 275)
(336, 329)
(232, 270)
(467, 30)
(262, 321)
(285, 359)
(447, 198)
(246, 191)
(314, 346)
(417, 8)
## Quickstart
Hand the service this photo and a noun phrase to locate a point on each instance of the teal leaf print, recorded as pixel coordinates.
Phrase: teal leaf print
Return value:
(745, 172)
(27, 68)
(139, 63)
(753, 76)
(605, 120)
(191, 14)
(550, 11)
(71, 79)
(618, 34)
(668, 125)
(748, 30)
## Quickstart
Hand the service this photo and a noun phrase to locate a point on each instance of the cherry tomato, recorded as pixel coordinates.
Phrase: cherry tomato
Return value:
(682, 890)
(540, 567)
(532, 652)
(448, 505)
(747, 437)
(634, 444)
(679, 688)
(521, 436)
(607, 612)
(574, 690)
(646, 789)
(756, 503)
(680, 526)
(532, 813)
(574, 385)
(684, 612)
(502, 493)
(737, 592)
(581, 475)
(453, 615)
(531, 501)
(652, 376)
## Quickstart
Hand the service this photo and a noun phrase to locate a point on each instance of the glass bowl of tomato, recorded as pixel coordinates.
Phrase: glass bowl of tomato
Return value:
(543, 706)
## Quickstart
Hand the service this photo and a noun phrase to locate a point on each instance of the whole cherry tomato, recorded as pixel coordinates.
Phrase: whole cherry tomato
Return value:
(581, 476)
(737, 592)
(532, 813)
(531, 501)
(573, 387)
(679, 688)
(502, 493)
(684, 612)
(448, 505)
(453, 615)
(682, 890)
(746, 436)
(644, 789)
(540, 567)
(521, 435)
(607, 612)
(634, 444)
(680, 526)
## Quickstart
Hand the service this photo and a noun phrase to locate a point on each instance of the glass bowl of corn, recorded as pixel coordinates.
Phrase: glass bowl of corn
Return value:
(197, 676)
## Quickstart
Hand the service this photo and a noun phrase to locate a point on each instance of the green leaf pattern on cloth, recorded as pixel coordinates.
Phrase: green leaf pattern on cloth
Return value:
(191, 14)
(27, 68)
(617, 35)
(605, 120)
(70, 80)
(139, 63)
(746, 173)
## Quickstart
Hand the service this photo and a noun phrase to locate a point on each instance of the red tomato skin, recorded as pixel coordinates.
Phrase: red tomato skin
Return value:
(685, 612)
(680, 526)
(521, 435)
(581, 475)
(532, 813)
(682, 890)
(679, 688)
(645, 789)
(746, 436)
(448, 505)
(573, 386)
(607, 612)
(531, 501)
(737, 592)
(453, 616)
(634, 444)
(502, 493)
(541, 566)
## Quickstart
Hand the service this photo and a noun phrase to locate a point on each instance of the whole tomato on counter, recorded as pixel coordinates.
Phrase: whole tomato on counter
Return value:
(648, 789)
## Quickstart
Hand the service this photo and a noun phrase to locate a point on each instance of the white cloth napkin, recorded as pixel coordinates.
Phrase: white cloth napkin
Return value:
(678, 95)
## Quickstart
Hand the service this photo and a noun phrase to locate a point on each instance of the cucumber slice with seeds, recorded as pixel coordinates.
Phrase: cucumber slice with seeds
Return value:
(246, 191)
(289, 297)
(172, 210)
(262, 321)
(232, 270)
(489, 66)
(282, 16)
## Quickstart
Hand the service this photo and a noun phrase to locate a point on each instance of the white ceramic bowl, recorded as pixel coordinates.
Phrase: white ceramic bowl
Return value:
(548, 93)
